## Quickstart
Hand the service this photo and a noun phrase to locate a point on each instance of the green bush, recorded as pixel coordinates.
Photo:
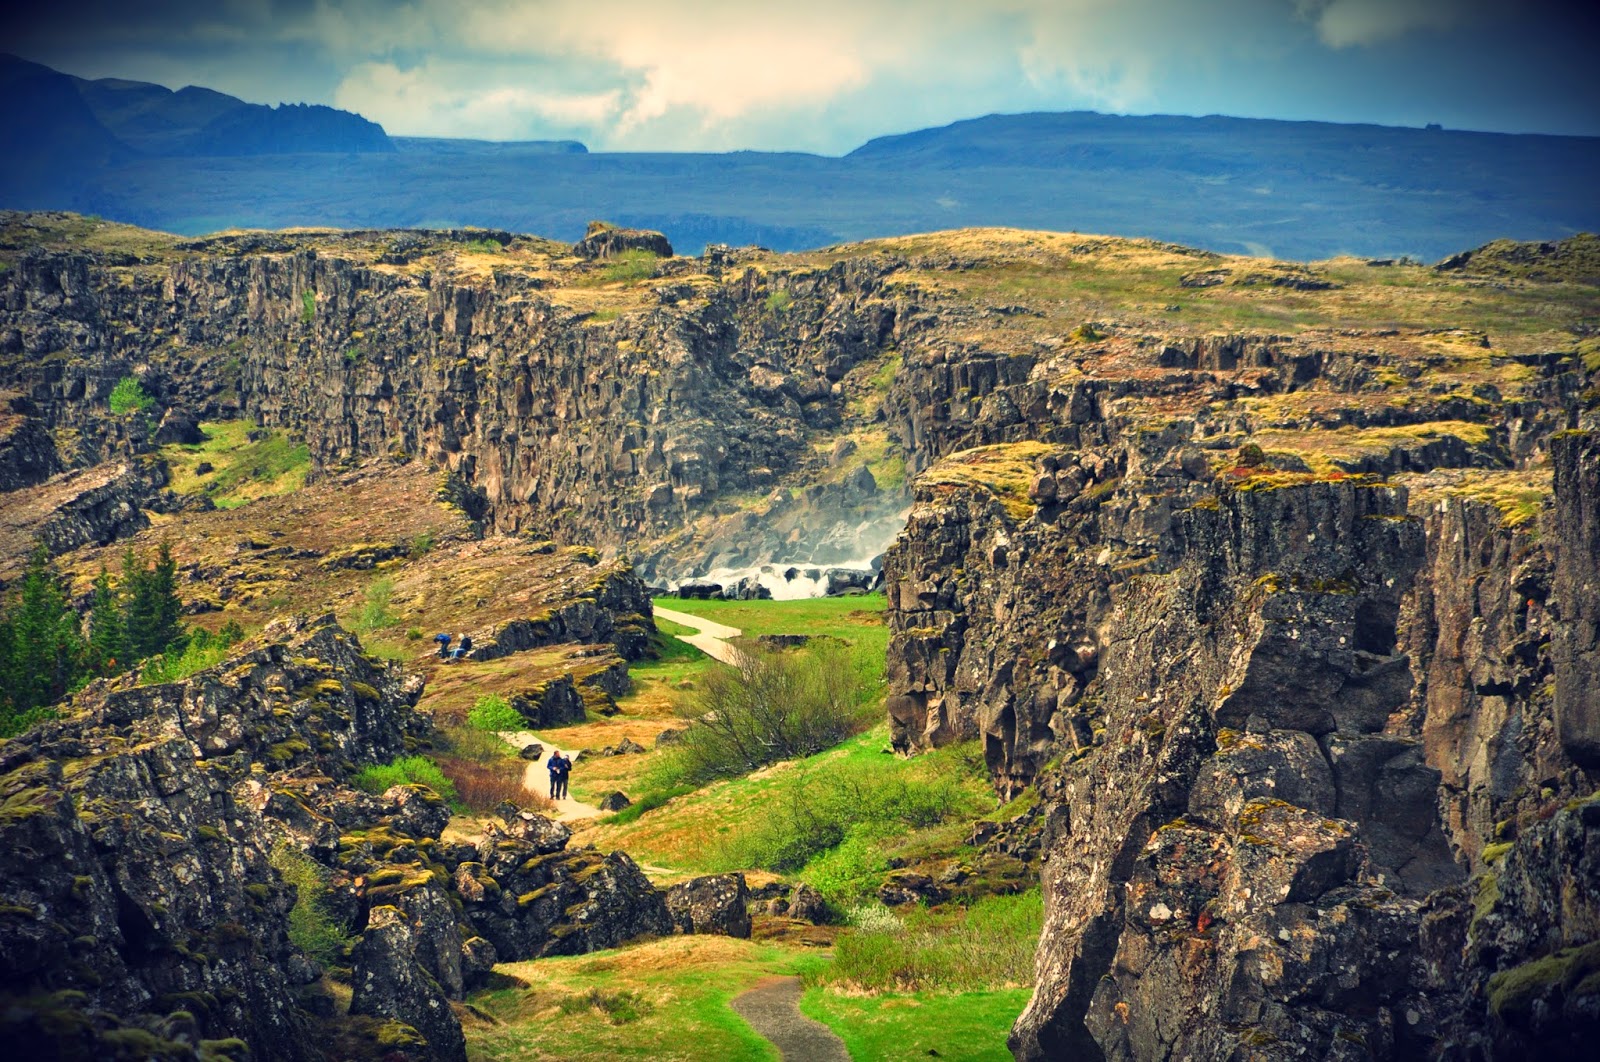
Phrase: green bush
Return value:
(308, 306)
(312, 928)
(494, 714)
(203, 650)
(779, 301)
(772, 706)
(129, 396)
(408, 770)
(989, 945)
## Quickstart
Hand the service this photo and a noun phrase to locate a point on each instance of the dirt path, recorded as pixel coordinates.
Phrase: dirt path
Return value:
(772, 1008)
(536, 779)
(709, 637)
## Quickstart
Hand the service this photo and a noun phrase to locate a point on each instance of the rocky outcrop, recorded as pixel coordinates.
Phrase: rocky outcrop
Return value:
(1278, 720)
(95, 506)
(27, 452)
(172, 830)
(618, 432)
(1576, 641)
(149, 889)
(608, 241)
(717, 903)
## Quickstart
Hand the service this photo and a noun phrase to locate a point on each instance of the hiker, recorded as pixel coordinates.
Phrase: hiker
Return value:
(460, 652)
(444, 645)
(566, 770)
(555, 766)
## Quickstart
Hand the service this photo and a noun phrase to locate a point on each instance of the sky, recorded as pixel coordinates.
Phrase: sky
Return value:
(827, 75)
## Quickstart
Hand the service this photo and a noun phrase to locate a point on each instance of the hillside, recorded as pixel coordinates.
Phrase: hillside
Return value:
(1299, 190)
(1236, 636)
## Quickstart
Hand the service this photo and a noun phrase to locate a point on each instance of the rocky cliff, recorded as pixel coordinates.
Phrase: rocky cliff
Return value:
(169, 846)
(1302, 682)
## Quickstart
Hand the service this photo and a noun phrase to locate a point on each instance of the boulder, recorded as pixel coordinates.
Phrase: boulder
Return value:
(671, 737)
(716, 903)
(388, 983)
(615, 800)
(534, 752)
(807, 905)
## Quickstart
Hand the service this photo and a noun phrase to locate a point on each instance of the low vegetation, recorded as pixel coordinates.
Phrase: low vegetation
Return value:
(988, 945)
(238, 463)
(494, 714)
(312, 927)
(408, 770)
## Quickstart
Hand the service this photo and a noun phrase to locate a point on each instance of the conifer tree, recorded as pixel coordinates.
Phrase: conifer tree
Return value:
(108, 633)
(44, 650)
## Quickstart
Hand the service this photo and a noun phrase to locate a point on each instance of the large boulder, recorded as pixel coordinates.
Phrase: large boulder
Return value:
(716, 903)
(388, 983)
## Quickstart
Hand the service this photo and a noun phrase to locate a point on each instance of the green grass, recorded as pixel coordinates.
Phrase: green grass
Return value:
(242, 470)
(670, 995)
(630, 267)
(733, 825)
(970, 1026)
(856, 619)
(988, 945)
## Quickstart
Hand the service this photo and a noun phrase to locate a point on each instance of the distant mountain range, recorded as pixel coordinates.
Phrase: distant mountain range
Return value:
(195, 161)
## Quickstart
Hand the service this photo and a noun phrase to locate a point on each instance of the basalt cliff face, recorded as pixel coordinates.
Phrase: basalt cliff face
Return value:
(1310, 709)
(617, 412)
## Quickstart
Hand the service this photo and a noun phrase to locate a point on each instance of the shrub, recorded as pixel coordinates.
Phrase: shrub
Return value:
(779, 301)
(772, 706)
(494, 714)
(312, 928)
(129, 396)
(831, 821)
(308, 306)
(482, 786)
(203, 650)
(375, 612)
(408, 770)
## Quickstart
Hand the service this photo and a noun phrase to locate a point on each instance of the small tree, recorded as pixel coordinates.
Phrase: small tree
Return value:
(153, 610)
(129, 396)
(772, 706)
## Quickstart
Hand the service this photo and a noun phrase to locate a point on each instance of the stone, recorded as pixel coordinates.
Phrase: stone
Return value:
(805, 904)
(615, 800)
(717, 903)
(532, 751)
(388, 983)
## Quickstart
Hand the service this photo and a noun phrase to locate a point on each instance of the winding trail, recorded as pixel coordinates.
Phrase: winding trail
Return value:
(536, 779)
(710, 637)
(772, 1008)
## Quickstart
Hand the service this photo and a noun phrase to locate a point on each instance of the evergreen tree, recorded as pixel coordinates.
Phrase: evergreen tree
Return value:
(169, 635)
(108, 633)
(139, 609)
(152, 613)
(44, 647)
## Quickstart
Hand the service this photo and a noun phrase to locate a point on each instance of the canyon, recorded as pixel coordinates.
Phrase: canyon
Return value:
(1276, 583)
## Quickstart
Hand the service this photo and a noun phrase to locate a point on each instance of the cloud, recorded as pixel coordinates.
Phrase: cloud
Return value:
(1353, 23)
(823, 75)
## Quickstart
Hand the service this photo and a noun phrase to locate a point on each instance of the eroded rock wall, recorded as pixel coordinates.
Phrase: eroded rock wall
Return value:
(1311, 747)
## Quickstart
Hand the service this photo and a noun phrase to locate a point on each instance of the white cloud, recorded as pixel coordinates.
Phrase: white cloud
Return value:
(1351, 23)
(455, 100)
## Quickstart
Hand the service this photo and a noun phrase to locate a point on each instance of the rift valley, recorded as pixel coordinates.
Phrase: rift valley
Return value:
(1223, 633)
